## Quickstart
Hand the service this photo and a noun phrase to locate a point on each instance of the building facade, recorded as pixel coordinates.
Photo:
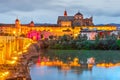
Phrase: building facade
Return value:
(76, 20)
(70, 25)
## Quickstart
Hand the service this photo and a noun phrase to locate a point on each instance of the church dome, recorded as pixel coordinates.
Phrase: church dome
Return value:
(17, 20)
(78, 13)
(32, 22)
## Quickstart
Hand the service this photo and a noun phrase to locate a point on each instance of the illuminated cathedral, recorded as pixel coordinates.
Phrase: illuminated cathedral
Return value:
(70, 25)
(76, 20)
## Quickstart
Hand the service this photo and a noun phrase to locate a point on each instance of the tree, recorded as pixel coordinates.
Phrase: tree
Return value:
(51, 37)
(82, 37)
(119, 34)
(65, 38)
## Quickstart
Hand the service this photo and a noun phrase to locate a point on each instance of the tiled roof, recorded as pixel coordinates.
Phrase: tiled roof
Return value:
(7, 25)
(46, 25)
(36, 25)
(65, 18)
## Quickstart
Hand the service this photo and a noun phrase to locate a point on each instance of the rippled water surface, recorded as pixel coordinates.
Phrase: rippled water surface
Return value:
(55, 73)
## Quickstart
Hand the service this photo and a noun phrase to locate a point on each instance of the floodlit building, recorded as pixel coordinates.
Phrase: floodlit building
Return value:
(71, 25)
(91, 34)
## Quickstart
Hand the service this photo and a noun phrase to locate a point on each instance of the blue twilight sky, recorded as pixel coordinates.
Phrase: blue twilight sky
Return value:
(47, 11)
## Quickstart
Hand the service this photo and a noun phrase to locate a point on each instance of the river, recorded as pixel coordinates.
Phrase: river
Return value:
(38, 72)
(55, 73)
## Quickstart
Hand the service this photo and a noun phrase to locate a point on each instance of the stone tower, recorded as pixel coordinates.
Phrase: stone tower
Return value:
(17, 23)
(18, 27)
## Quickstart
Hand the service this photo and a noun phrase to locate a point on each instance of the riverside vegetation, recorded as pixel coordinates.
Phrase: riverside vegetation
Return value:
(67, 42)
(104, 48)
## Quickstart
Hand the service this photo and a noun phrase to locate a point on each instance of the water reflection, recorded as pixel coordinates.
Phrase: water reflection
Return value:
(75, 73)
(56, 73)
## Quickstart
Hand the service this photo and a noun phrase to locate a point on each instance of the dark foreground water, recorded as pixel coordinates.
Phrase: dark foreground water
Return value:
(55, 73)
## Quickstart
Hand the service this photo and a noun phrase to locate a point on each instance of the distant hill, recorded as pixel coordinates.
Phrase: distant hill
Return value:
(114, 24)
(118, 25)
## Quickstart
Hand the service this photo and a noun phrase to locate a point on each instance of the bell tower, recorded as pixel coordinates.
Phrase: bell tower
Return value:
(18, 27)
(17, 23)
(65, 13)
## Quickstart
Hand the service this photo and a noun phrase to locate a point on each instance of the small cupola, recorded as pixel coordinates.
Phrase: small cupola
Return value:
(17, 23)
(31, 23)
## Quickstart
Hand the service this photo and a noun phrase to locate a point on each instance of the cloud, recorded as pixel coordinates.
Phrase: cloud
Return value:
(54, 8)
(95, 7)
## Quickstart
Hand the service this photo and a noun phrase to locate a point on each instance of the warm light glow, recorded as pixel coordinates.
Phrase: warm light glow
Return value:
(13, 62)
(14, 32)
(75, 35)
(25, 51)
(15, 58)
(20, 52)
(4, 74)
